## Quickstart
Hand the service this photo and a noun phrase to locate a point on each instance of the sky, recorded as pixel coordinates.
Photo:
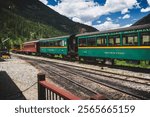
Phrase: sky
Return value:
(101, 14)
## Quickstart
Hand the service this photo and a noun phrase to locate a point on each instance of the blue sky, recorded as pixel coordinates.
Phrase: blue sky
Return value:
(102, 14)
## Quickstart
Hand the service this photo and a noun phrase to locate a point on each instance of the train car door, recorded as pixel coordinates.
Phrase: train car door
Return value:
(72, 45)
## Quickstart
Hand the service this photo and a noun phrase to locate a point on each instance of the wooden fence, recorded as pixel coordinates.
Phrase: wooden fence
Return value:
(49, 91)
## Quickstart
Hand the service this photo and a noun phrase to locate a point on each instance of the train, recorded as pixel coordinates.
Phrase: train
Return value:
(4, 53)
(130, 44)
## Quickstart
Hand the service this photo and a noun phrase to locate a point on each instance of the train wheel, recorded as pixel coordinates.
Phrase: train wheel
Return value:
(102, 61)
(81, 59)
(109, 62)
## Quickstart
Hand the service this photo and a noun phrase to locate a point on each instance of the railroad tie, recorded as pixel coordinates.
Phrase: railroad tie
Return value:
(98, 97)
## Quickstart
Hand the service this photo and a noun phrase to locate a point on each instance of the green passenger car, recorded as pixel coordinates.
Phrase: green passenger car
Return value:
(54, 46)
(66, 46)
(131, 43)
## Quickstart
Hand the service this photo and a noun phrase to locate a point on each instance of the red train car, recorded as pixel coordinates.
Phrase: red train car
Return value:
(30, 47)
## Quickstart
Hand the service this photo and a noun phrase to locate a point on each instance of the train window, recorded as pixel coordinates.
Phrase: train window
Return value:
(65, 43)
(60, 43)
(130, 39)
(41, 44)
(101, 41)
(82, 42)
(51, 43)
(56, 43)
(48, 43)
(114, 40)
(44, 44)
(146, 39)
(91, 42)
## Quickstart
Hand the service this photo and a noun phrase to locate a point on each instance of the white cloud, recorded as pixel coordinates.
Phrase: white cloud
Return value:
(119, 5)
(44, 1)
(124, 11)
(75, 19)
(145, 10)
(126, 25)
(88, 23)
(98, 22)
(107, 25)
(134, 19)
(89, 10)
(148, 1)
(126, 16)
(86, 11)
(108, 19)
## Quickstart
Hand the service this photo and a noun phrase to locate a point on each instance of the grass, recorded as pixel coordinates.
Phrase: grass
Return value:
(143, 64)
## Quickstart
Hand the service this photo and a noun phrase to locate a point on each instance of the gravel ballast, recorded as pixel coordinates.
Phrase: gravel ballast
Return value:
(23, 75)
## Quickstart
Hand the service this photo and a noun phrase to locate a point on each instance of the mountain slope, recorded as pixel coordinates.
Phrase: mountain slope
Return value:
(144, 20)
(23, 20)
(38, 12)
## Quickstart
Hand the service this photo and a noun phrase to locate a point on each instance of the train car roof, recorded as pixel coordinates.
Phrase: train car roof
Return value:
(54, 38)
(43, 39)
(116, 30)
(95, 33)
(30, 42)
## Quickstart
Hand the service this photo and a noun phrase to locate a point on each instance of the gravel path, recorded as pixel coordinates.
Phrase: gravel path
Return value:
(113, 70)
(47, 66)
(23, 75)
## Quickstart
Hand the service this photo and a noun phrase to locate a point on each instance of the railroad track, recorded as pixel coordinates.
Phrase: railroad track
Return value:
(74, 82)
(134, 79)
(140, 94)
(85, 90)
(128, 90)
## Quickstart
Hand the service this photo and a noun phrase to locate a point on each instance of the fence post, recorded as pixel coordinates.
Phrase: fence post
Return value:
(41, 89)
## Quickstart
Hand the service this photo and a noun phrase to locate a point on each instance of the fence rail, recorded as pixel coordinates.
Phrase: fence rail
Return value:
(48, 91)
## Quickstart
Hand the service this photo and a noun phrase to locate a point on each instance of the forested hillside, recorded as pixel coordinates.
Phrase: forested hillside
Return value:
(144, 20)
(23, 20)
(19, 29)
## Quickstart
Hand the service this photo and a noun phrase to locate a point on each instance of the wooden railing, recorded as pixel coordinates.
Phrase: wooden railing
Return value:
(49, 91)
